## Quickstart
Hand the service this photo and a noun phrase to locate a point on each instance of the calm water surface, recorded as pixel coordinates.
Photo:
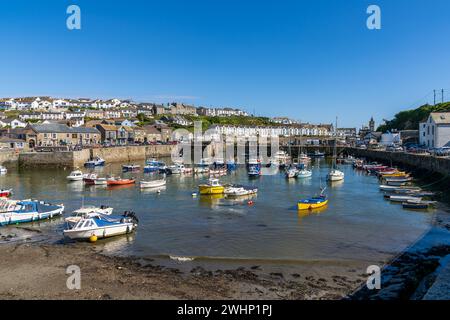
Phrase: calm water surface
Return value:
(357, 224)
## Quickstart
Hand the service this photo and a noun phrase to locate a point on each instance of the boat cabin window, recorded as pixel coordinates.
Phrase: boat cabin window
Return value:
(87, 224)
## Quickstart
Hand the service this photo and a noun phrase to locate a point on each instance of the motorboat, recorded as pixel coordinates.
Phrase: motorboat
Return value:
(282, 158)
(119, 181)
(131, 167)
(87, 211)
(335, 175)
(100, 181)
(89, 178)
(237, 191)
(291, 173)
(5, 193)
(313, 203)
(202, 166)
(154, 165)
(212, 187)
(152, 184)
(414, 204)
(176, 169)
(75, 175)
(384, 187)
(102, 226)
(95, 162)
(254, 171)
(395, 198)
(3, 170)
(304, 173)
(29, 211)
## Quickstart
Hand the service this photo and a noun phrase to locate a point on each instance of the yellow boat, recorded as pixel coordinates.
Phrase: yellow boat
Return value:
(212, 187)
(396, 174)
(313, 203)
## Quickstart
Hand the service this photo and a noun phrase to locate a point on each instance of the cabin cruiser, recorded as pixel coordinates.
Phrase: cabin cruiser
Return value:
(83, 212)
(102, 226)
(131, 167)
(29, 210)
(335, 175)
(75, 175)
(212, 187)
(154, 165)
(237, 191)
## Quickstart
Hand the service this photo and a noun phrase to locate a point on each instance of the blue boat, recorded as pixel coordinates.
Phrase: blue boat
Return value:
(153, 165)
(231, 165)
(96, 162)
(28, 211)
(254, 171)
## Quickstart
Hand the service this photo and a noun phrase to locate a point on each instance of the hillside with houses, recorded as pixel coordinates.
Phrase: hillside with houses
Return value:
(33, 122)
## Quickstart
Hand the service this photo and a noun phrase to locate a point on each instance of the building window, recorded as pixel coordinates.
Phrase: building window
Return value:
(432, 130)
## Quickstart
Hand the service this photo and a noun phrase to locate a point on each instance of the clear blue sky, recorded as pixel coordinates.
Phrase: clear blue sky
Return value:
(310, 60)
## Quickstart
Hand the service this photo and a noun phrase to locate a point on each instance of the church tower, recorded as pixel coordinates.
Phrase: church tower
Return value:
(372, 125)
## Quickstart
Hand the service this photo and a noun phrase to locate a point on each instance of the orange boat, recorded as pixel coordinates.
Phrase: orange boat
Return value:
(119, 181)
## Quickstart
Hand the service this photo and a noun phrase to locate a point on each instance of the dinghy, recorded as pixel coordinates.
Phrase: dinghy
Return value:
(152, 184)
(119, 181)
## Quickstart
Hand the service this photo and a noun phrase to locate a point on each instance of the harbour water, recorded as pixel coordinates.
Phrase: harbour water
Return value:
(357, 224)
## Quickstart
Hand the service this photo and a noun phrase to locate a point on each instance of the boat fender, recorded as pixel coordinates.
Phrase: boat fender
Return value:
(250, 202)
(93, 238)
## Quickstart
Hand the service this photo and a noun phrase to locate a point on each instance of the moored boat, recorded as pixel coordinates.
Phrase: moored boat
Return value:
(152, 184)
(131, 167)
(5, 193)
(313, 203)
(212, 187)
(95, 162)
(29, 211)
(237, 191)
(75, 175)
(119, 181)
(304, 173)
(3, 170)
(87, 211)
(102, 226)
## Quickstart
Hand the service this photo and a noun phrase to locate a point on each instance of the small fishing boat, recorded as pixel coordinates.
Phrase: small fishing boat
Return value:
(152, 184)
(254, 171)
(88, 211)
(89, 178)
(95, 162)
(398, 179)
(119, 181)
(75, 175)
(3, 170)
(5, 193)
(131, 167)
(212, 187)
(414, 204)
(402, 198)
(29, 211)
(202, 166)
(335, 175)
(384, 187)
(312, 203)
(291, 173)
(304, 173)
(100, 181)
(238, 191)
(102, 226)
(176, 169)
(154, 165)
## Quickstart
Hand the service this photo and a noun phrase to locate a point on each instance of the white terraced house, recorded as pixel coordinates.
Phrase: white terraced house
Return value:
(269, 131)
(435, 131)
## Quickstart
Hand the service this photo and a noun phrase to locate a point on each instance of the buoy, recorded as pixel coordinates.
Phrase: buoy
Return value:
(93, 238)
(159, 191)
(194, 194)
(250, 202)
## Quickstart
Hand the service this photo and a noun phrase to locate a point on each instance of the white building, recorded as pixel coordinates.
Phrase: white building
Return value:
(389, 138)
(435, 131)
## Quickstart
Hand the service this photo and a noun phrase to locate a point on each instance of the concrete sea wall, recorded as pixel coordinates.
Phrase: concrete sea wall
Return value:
(78, 158)
(414, 161)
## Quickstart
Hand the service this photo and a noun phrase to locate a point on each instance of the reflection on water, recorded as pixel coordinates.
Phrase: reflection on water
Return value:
(357, 223)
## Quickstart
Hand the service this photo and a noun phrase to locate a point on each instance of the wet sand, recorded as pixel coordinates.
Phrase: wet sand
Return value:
(38, 271)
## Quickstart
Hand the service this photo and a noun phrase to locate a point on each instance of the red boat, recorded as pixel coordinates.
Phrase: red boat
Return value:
(89, 179)
(5, 193)
(119, 181)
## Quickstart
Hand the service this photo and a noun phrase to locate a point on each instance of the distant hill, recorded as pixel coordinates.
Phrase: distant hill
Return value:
(409, 119)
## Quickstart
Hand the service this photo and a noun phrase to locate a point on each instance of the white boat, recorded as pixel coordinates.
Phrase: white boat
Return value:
(3, 170)
(403, 198)
(96, 162)
(100, 181)
(101, 226)
(304, 173)
(291, 173)
(384, 187)
(202, 166)
(28, 211)
(335, 175)
(152, 183)
(176, 168)
(237, 191)
(75, 175)
(88, 211)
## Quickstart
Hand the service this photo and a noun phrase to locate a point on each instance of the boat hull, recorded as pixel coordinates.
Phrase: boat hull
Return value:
(14, 218)
(311, 206)
(211, 190)
(100, 232)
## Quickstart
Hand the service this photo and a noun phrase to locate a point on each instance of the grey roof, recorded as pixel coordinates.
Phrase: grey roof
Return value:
(61, 128)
